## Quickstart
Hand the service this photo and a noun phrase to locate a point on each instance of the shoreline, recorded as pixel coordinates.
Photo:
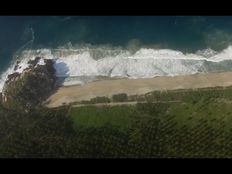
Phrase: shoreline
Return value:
(73, 93)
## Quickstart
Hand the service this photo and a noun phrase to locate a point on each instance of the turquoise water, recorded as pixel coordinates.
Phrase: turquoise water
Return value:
(184, 33)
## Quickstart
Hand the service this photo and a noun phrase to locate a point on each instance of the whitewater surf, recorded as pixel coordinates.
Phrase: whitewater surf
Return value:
(81, 65)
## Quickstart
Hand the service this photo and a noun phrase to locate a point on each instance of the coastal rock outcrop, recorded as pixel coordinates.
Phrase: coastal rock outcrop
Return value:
(27, 90)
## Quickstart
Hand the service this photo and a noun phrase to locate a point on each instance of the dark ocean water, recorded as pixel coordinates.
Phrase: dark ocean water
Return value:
(184, 33)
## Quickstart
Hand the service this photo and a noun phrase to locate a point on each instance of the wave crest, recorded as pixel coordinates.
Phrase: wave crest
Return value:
(106, 61)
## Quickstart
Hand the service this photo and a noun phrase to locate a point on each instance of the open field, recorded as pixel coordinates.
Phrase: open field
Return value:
(199, 126)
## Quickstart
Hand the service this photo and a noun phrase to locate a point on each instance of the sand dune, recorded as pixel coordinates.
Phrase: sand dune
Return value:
(74, 93)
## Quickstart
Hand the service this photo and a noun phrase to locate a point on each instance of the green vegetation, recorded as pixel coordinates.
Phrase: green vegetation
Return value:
(95, 117)
(100, 100)
(26, 91)
(197, 125)
(166, 130)
(94, 100)
(43, 133)
(120, 97)
(189, 95)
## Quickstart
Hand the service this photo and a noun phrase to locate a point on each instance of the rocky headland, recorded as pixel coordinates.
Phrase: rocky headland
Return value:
(27, 90)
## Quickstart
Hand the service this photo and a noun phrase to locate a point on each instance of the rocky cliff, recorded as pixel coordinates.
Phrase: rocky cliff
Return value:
(27, 90)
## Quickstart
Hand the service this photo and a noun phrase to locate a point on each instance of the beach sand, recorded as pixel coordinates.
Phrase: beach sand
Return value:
(68, 94)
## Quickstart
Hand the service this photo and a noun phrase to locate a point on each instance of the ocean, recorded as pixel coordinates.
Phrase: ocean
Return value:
(88, 47)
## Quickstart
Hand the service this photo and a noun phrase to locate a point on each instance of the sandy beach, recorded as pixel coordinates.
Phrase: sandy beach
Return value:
(68, 94)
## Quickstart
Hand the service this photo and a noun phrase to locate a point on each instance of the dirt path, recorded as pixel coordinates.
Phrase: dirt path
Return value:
(121, 103)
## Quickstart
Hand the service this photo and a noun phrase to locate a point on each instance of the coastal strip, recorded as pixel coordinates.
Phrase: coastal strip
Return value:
(69, 94)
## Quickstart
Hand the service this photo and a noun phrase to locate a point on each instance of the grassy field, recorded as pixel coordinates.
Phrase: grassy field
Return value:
(200, 125)
(95, 117)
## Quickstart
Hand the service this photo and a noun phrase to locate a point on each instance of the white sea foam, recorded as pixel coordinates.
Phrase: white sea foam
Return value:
(116, 62)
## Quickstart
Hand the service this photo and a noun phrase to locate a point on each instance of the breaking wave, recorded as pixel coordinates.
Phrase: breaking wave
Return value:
(82, 64)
